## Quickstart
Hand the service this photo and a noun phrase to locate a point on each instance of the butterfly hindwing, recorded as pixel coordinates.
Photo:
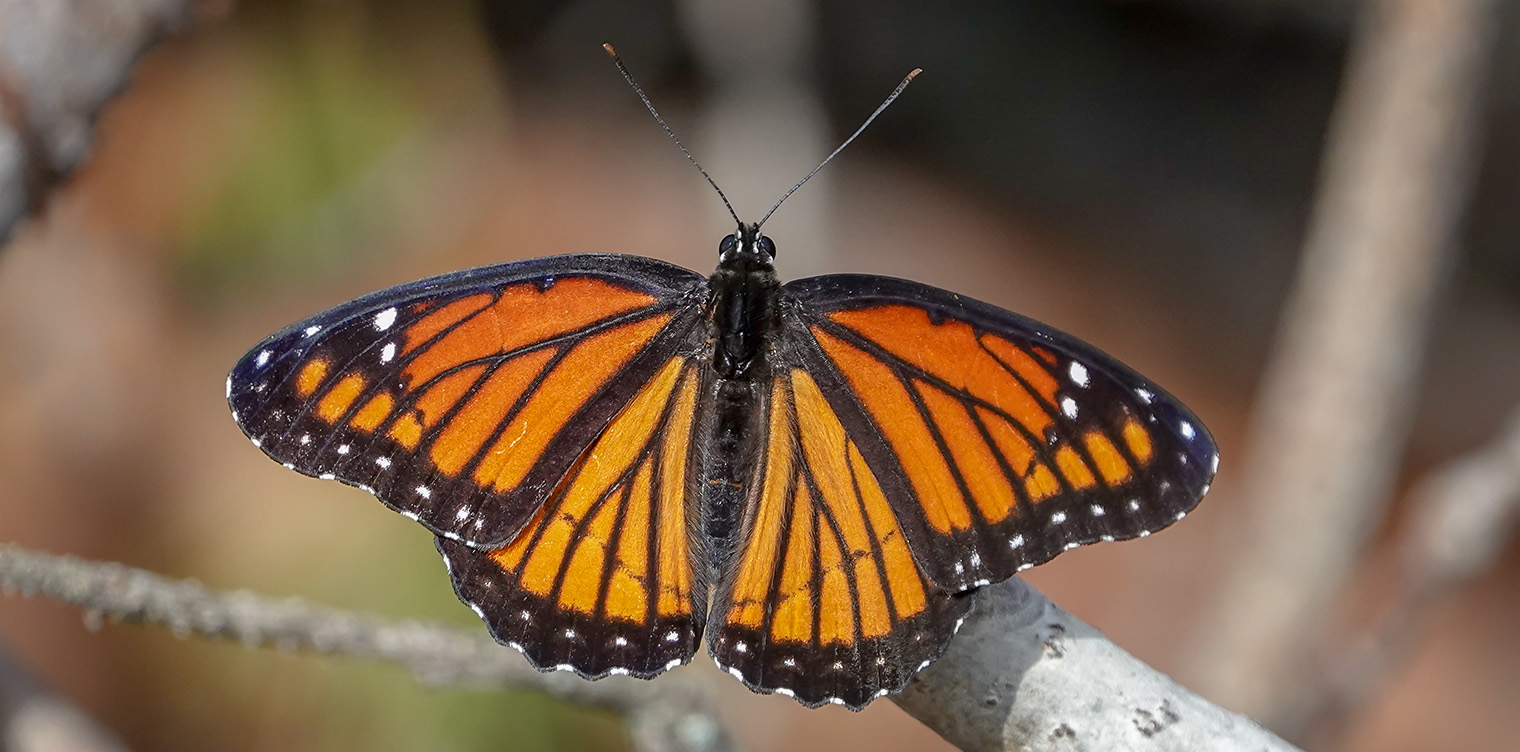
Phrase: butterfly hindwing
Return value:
(999, 441)
(823, 601)
(462, 400)
(602, 579)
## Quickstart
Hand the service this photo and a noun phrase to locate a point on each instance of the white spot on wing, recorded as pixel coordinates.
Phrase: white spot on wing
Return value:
(383, 461)
(1145, 395)
(620, 641)
(342, 449)
(569, 634)
(672, 636)
(790, 663)
(672, 664)
(1016, 541)
(784, 692)
(741, 647)
(463, 513)
(1214, 464)
(1070, 546)
(425, 492)
(263, 359)
(388, 352)
(409, 514)
(1134, 505)
(385, 318)
(1078, 373)
(618, 672)
(1097, 511)
(310, 330)
(1057, 518)
(1069, 407)
(1187, 430)
(327, 476)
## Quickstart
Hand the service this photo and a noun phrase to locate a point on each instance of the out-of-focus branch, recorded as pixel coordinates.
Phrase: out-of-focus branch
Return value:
(670, 714)
(1465, 516)
(1023, 674)
(1332, 415)
(60, 62)
(33, 719)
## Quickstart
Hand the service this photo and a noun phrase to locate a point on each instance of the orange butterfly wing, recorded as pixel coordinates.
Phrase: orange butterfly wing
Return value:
(999, 442)
(824, 601)
(461, 401)
(602, 581)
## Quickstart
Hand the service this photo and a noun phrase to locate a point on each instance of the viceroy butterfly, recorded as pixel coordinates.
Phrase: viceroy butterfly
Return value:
(619, 455)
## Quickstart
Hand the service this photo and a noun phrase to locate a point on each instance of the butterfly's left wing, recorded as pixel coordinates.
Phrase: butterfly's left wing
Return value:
(998, 441)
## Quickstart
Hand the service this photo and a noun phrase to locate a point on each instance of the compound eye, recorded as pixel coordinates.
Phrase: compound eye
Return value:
(767, 246)
(727, 246)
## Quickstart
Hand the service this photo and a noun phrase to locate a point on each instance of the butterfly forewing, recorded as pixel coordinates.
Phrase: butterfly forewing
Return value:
(462, 400)
(999, 442)
(602, 579)
(823, 602)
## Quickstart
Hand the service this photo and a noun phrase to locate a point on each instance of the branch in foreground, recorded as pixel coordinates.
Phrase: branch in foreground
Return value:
(670, 714)
(1023, 674)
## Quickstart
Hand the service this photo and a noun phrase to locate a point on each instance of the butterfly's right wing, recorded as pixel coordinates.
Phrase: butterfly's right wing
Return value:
(462, 400)
(602, 581)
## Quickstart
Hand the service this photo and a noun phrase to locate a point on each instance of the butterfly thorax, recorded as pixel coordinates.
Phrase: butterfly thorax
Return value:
(741, 319)
(741, 309)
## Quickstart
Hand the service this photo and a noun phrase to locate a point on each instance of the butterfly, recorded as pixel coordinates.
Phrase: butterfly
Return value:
(621, 457)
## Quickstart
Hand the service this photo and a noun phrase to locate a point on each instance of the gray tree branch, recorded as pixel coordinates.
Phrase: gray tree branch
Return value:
(1331, 418)
(1022, 674)
(60, 63)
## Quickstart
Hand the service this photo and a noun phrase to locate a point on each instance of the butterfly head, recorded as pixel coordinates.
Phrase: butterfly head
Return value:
(747, 245)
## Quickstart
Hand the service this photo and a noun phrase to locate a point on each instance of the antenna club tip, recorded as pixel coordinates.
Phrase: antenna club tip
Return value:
(911, 74)
(609, 50)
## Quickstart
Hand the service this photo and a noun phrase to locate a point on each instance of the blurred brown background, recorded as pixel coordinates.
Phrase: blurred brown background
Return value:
(1139, 174)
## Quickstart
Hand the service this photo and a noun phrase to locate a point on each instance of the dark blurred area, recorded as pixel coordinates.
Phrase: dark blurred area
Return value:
(1138, 174)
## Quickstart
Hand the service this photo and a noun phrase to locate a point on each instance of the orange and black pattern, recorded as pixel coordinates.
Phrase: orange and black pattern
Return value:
(461, 401)
(1000, 442)
(621, 457)
(602, 580)
(825, 602)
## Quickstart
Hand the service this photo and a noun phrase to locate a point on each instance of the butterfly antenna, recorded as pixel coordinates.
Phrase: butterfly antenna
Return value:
(623, 69)
(890, 98)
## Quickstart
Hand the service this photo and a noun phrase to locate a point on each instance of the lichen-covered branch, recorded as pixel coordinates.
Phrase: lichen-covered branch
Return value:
(670, 714)
(1023, 674)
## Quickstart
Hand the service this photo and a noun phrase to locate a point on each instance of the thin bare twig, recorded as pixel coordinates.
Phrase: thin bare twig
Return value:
(667, 715)
(1332, 415)
(1022, 674)
(1465, 516)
